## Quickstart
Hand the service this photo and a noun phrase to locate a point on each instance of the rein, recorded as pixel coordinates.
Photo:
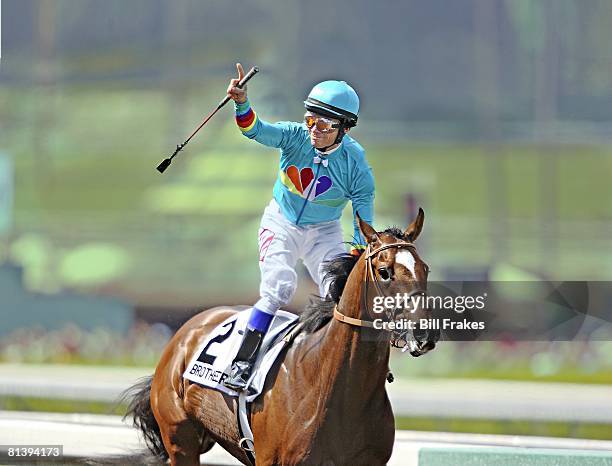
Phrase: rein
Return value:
(397, 336)
(351, 320)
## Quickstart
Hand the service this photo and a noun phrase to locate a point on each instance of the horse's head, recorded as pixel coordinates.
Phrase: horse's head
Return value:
(396, 279)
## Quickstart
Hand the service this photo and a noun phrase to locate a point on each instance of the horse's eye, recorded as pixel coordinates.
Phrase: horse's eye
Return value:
(385, 274)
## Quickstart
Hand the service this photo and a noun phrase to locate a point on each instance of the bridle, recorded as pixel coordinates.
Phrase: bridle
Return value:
(398, 337)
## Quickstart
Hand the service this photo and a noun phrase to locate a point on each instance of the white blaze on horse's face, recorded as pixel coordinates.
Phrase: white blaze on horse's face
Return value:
(405, 257)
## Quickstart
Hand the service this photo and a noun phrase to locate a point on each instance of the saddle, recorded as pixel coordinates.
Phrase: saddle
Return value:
(211, 363)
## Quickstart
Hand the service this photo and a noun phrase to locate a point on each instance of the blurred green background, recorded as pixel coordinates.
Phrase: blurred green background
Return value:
(493, 115)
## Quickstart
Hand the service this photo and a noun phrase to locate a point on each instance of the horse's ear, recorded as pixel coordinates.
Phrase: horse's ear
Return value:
(367, 231)
(414, 230)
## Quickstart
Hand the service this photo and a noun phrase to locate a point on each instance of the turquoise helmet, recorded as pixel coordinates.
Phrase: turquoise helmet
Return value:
(334, 99)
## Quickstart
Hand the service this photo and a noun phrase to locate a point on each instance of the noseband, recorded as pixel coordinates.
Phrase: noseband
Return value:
(398, 337)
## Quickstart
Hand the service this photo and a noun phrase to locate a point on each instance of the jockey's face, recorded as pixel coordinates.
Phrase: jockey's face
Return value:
(320, 139)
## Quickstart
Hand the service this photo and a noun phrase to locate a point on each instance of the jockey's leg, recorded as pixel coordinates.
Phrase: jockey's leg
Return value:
(278, 254)
(323, 243)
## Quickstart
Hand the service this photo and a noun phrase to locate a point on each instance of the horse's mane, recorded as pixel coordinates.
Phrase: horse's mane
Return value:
(320, 309)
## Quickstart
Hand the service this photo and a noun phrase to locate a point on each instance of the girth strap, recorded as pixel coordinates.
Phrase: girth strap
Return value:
(246, 442)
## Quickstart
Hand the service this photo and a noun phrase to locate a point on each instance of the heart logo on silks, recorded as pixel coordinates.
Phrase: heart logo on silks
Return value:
(302, 181)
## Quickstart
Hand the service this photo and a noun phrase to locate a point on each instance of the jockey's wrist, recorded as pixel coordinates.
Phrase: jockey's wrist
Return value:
(242, 107)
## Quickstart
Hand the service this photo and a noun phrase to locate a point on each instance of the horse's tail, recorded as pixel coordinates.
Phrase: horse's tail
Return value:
(139, 410)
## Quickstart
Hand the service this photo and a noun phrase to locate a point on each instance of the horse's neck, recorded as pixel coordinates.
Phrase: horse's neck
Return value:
(356, 357)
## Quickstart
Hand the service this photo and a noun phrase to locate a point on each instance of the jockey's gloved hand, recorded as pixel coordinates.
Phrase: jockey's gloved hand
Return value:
(357, 251)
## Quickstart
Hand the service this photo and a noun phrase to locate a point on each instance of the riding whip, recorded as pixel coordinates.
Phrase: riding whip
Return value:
(166, 162)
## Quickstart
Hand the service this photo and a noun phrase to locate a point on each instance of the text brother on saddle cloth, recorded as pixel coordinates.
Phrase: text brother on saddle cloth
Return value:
(207, 373)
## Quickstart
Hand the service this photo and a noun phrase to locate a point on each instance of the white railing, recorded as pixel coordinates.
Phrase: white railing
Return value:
(418, 397)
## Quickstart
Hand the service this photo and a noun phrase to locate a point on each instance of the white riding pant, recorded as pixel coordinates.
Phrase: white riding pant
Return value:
(281, 244)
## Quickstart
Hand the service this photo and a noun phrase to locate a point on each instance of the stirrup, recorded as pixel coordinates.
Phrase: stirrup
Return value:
(239, 375)
(245, 360)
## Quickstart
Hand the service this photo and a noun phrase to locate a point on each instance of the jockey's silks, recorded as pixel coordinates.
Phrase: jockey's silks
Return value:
(313, 187)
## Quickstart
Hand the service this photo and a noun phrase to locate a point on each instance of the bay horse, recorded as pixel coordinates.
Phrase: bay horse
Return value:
(325, 402)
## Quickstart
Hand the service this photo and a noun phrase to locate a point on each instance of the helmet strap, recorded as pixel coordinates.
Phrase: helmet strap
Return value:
(341, 132)
(338, 140)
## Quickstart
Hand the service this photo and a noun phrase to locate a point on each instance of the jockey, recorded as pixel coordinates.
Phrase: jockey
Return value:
(321, 169)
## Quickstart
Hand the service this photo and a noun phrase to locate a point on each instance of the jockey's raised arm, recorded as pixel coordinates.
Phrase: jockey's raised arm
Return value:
(321, 168)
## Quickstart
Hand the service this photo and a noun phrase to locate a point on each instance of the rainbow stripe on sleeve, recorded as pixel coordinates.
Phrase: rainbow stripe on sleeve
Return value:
(245, 117)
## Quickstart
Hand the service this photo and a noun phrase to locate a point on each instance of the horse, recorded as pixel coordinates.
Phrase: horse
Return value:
(325, 401)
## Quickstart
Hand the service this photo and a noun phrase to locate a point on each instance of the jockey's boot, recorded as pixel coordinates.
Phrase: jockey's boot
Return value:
(247, 354)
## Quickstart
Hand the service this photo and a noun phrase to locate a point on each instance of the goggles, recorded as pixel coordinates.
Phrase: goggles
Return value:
(323, 124)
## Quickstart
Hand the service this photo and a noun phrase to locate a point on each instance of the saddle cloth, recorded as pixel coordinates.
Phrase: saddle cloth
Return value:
(211, 363)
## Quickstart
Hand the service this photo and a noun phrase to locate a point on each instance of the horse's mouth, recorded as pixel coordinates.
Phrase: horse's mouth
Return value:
(419, 348)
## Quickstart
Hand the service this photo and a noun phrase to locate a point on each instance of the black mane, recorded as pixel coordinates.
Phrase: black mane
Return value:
(320, 309)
